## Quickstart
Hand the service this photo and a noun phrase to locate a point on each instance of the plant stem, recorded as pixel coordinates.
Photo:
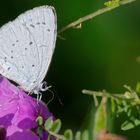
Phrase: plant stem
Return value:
(92, 15)
(103, 93)
(61, 137)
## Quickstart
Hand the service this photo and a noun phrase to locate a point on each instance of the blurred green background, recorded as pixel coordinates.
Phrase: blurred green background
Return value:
(101, 55)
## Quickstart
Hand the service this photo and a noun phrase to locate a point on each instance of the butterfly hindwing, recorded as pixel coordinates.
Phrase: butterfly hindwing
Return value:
(28, 44)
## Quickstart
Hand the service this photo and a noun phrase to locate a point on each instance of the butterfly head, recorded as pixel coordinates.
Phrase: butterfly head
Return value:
(42, 87)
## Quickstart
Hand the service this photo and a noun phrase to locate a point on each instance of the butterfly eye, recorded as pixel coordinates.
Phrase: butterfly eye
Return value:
(43, 86)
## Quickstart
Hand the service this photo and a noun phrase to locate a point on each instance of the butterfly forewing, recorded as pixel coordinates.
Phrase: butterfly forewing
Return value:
(27, 45)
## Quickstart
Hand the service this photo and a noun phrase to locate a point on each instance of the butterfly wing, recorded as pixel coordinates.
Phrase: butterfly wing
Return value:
(27, 45)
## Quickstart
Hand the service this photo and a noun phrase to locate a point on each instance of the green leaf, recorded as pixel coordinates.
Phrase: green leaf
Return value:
(120, 109)
(129, 112)
(130, 124)
(137, 122)
(100, 118)
(39, 131)
(39, 120)
(78, 135)
(127, 125)
(85, 135)
(58, 139)
(56, 126)
(113, 105)
(125, 106)
(68, 134)
(49, 137)
(112, 3)
(48, 124)
(138, 87)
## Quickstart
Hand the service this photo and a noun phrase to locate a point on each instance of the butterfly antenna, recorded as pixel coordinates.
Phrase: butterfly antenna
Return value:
(59, 99)
(54, 93)
(51, 97)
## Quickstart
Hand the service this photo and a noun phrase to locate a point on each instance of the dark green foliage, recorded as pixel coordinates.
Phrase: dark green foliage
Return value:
(127, 103)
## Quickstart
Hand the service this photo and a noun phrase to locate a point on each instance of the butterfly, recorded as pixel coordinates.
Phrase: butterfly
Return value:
(26, 48)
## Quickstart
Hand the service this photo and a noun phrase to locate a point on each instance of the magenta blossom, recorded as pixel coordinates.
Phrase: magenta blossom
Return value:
(18, 113)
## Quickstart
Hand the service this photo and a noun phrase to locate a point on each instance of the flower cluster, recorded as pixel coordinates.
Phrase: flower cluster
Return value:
(18, 113)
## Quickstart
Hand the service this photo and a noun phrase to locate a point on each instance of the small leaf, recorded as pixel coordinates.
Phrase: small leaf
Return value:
(68, 134)
(128, 95)
(85, 135)
(112, 3)
(49, 137)
(120, 109)
(100, 118)
(39, 131)
(125, 106)
(48, 124)
(57, 139)
(39, 120)
(127, 125)
(79, 26)
(113, 105)
(137, 122)
(138, 87)
(129, 112)
(56, 126)
(78, 135)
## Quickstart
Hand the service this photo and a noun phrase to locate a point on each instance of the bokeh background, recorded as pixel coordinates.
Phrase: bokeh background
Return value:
(103, 54)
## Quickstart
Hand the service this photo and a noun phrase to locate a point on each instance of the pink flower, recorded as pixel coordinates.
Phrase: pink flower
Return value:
(18, 113)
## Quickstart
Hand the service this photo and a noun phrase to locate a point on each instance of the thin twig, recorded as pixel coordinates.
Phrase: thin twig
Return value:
(92, 15)
(106, 94)
(114, 95)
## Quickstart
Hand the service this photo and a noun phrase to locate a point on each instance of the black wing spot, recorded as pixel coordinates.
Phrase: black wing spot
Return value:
(32, 25)
(38, 23)
(8, 68)
(5, 59)
(25, 49)
(13, 44)
(33, 65)
(17, 40)
(31, 43)
(43, 23)
(22, 67)
(48, 30)
(12, 57)
(11, 51)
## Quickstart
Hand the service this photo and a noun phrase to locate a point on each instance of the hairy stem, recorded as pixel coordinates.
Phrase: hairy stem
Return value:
(92, 15)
